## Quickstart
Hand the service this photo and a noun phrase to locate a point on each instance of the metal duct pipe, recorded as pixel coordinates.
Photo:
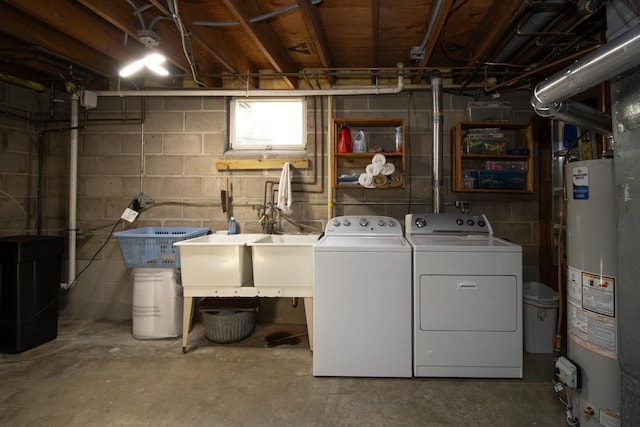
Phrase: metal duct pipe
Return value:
(602, 64)
(578, 114)
(436, 90)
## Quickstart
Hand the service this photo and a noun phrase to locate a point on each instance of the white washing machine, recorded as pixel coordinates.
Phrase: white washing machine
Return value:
(467, 293)
(362, 299)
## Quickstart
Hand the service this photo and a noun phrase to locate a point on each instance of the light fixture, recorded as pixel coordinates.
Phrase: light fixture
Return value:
(152, 61)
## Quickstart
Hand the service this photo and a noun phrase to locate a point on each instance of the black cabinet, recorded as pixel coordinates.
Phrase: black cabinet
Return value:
(30, 274)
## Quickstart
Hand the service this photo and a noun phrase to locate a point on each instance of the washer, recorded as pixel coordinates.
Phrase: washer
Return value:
(467, 293)
(362, 299)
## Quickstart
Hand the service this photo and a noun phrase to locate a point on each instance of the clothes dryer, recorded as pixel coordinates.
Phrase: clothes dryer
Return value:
(467, 298)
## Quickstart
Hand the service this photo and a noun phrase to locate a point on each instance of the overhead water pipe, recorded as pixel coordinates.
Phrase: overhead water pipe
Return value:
(436, 90)
(369, 90)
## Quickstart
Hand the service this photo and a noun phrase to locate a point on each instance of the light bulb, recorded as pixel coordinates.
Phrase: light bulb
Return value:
(132, 68)
(152, 61)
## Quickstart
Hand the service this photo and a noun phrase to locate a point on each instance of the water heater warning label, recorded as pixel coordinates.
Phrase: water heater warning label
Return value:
(591, 312)
(581, 183)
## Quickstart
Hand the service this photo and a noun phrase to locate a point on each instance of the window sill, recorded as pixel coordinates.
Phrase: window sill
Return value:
(257, 159)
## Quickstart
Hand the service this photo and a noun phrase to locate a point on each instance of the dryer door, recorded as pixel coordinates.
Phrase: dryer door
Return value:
(468, 303)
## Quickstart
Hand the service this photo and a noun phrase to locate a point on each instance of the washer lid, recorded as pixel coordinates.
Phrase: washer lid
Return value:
(362, 243)
(466, 243)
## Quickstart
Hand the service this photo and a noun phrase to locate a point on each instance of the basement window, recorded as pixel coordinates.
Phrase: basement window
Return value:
(268, 124)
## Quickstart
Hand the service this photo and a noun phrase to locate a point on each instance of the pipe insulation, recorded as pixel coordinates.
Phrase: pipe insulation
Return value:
(614, 58)
(438, 119)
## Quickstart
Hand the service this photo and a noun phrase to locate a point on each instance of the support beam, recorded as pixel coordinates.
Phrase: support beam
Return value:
(264, 38)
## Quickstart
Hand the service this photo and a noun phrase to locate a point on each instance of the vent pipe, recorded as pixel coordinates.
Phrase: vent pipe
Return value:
(578, 114)
(614, 58)
(436, 90)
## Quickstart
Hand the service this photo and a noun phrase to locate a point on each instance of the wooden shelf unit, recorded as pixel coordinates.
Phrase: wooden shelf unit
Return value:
(380, 133)
(519, 137)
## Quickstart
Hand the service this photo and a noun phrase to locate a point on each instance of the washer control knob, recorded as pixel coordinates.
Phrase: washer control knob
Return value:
(346, 222)
(391, 223)
(336, 223)
(381, 222)
(363, 222)
(421, 222)
(459, 221)
(470, 222)
(481, 223)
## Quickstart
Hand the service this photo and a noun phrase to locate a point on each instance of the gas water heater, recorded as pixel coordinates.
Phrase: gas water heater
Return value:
(592, 291)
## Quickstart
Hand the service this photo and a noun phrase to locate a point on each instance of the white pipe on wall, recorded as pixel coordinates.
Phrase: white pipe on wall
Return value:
(373, 90)
(330, 166)
(73, 190)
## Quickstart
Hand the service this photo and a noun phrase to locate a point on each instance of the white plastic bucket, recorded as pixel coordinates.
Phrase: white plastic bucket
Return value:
(540, 304)
(157, 303)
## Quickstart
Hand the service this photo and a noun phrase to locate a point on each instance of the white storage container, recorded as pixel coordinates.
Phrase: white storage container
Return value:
(217, 260)
(157, 303)
(540, 316)
(283, 260)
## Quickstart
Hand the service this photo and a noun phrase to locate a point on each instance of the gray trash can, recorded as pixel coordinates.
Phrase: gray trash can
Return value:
(540, 304)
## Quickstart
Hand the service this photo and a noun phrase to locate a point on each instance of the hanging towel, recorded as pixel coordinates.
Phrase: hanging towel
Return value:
(284, 190)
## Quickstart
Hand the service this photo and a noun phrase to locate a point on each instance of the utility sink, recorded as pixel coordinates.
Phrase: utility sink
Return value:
(283, 260)
(217, 260)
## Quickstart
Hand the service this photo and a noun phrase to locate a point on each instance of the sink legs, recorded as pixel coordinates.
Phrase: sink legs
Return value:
(308, 311)
(186, 321)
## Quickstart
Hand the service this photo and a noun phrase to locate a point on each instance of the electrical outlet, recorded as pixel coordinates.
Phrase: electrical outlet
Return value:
(568, 372)
(129, 215)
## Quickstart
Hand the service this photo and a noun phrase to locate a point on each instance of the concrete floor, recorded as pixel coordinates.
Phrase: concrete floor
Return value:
(96, 374)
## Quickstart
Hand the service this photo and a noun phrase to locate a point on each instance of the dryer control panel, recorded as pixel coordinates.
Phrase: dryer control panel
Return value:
(368, 225)
(448, 224)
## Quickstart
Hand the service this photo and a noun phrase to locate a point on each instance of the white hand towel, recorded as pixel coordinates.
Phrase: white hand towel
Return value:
(284, 190)
(387, 169)
(372, 169)
(366, 180)
(379, 160)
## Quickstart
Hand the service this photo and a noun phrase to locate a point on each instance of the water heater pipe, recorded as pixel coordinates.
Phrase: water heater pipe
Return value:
(436, 89)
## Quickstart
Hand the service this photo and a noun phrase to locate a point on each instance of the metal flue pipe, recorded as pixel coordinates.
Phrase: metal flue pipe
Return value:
(602, 64)
(438, 119)
(578, 114)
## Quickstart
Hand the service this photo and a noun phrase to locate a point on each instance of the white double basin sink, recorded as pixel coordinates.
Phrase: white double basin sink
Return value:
(282, 262)
(247, 265)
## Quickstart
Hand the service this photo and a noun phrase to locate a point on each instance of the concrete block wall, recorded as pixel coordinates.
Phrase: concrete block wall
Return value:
(174, 142)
